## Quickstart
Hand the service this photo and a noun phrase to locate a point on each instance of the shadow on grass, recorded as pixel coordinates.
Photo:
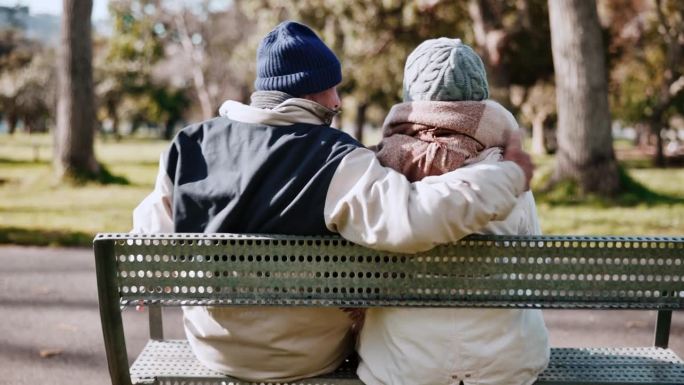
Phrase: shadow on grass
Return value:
(42, 237)
(671, 162)
(103, 176)
(637, 163)
(634, 193)
(143, 163)
(106, 177)
(23, 162)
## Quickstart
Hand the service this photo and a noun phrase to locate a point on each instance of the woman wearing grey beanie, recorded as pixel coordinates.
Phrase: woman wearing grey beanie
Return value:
(447, 122)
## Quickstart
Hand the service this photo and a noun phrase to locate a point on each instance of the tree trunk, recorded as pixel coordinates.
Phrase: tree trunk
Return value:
(360, 121)
(29, 125)
(585, 143)
(538, 145)
(196, 56)
(660, 154)
(12, 121)
(74, 153)
(640, 135)
(490, 37)
(655, 125)
(115, 127)
(169, 129)
(113, 114)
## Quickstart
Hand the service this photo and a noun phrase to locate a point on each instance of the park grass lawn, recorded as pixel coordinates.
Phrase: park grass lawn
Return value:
(36, 211)
(659, 213)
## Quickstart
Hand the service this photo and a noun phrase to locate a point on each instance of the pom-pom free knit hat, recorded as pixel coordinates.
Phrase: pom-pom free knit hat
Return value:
(292, 59)
(446, 70)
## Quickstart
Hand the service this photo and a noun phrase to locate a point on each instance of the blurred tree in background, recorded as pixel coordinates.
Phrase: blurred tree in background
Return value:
(129, 88)
(163, 63)
(372, 40)
(27, 82)
(647, 78)
(585, 143)
(207, 41)
(514, 41)
(74, 155)
(165, 58)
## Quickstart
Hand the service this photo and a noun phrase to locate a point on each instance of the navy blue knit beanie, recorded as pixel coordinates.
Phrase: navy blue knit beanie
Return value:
(292, 59)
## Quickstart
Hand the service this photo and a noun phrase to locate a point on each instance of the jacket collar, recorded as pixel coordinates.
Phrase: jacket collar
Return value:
(287, 113)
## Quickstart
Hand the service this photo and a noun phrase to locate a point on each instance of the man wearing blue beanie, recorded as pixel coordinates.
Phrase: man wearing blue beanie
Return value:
(293, 60)
(277, 167)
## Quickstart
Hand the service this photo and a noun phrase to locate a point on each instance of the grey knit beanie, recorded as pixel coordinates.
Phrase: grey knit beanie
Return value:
(446, 70)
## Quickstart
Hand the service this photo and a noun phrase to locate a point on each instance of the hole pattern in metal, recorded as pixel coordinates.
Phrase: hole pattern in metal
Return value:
(172, 360)
(613, 365)
(492, 271)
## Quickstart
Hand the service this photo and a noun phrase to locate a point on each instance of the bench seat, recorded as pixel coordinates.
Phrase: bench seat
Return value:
(169, 361)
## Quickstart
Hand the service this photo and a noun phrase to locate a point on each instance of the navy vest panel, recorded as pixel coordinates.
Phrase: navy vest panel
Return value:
(233, 177)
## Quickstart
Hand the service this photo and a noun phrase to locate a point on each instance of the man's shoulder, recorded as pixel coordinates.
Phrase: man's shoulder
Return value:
(215, 127)
(195, 128)
(323, 134)
(329, 134)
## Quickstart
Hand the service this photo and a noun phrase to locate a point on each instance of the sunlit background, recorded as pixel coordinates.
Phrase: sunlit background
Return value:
(159, 65)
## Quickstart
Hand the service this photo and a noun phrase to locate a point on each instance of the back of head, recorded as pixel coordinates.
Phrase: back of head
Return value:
(444, 70)
(292, 59)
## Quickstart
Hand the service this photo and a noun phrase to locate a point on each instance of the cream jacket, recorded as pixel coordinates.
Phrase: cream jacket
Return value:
(403, 346)
(367, 204)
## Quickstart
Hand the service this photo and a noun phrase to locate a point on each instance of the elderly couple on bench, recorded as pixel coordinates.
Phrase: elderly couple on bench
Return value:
(449, 164)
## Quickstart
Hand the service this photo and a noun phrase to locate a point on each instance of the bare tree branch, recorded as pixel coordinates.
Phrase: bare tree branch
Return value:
(197, 58)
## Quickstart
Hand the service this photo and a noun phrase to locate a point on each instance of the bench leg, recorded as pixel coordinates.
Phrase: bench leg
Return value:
(662, 330)
(156, 323)
(110, 313)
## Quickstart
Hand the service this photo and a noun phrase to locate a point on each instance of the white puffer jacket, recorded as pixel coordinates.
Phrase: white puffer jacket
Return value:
(405, 346)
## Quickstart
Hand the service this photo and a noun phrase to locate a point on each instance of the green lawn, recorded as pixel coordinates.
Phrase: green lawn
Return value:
(661, 213)
(33, 210)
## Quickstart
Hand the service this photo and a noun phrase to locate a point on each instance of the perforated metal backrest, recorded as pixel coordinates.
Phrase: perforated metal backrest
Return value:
(491, 271)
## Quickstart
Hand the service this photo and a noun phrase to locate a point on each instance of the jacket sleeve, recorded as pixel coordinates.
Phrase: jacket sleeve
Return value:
(379, 208)
(531, 225)
(154, 214)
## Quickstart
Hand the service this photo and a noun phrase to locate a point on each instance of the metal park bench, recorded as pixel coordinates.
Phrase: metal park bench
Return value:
(480, 271)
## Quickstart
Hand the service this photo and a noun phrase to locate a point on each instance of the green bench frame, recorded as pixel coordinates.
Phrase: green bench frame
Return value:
(560, 272)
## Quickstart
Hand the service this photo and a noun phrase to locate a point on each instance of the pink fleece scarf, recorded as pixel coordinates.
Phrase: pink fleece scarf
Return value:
(426, 138)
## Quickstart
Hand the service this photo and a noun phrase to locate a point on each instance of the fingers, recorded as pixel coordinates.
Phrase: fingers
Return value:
(515, 153)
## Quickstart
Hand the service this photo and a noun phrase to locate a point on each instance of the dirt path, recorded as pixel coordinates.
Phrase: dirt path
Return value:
(50, 327)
